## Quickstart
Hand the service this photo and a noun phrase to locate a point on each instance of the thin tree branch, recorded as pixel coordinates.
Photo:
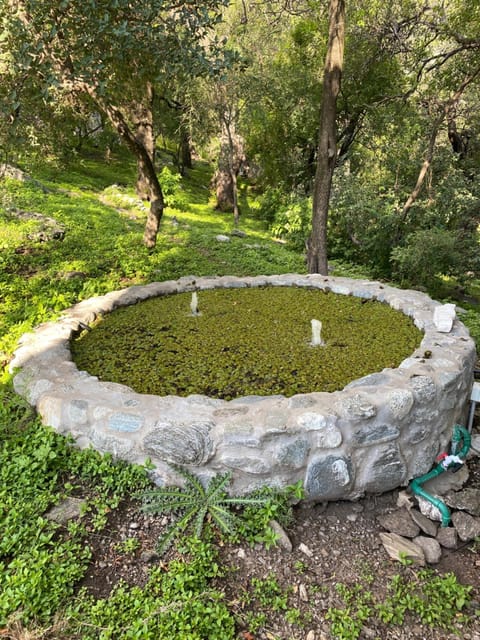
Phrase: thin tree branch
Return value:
(447, 107)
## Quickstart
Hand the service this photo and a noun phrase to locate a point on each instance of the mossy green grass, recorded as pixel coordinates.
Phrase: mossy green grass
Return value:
(251, 341)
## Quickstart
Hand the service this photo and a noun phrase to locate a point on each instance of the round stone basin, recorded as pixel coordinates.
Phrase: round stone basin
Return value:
(374, 435)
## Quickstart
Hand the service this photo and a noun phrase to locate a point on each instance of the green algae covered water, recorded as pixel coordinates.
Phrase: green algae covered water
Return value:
(245, 342)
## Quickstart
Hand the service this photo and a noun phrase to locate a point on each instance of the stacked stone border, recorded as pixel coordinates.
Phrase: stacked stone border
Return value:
(375, 435)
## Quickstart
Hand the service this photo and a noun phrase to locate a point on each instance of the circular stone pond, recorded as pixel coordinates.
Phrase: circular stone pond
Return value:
(382, 429)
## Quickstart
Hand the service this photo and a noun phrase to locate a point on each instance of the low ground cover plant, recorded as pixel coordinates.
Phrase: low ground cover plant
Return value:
(247, 341)
(41, 560)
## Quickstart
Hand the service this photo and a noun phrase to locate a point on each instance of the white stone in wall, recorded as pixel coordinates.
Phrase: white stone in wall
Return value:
(100, 412)
(310, 421)
(443, 317)
(50, 408)
(356, 407)
(326, 435)
(400, 402)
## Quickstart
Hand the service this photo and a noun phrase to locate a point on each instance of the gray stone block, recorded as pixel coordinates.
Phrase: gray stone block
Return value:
(126, 422)
(78, 412)
(328, 478)
(119, 447)
(399, 548)
(370, 435)
(430, 547)
(293, 454)
(399, 522)
(248, 464)
(466, 500)
(301, 401)
(66, 510)
(425, 524)
(447, 537)
(416, 434)
(385, 470)
(420, 459)
(356, 407)
(466, 526)
(424, 388)
(181, 443)
(400, 402)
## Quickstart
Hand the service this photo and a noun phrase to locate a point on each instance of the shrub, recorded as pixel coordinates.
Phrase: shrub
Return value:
(170, 183)
(361, 224)
(292, 221)
(426, 255)
(472, 319)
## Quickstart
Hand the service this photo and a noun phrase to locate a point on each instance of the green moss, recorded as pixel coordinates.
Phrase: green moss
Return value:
(246, 341)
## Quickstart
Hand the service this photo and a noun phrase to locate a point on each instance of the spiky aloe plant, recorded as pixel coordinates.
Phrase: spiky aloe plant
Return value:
(194, 503)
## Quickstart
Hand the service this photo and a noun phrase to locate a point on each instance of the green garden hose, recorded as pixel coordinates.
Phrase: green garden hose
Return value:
(453, 462)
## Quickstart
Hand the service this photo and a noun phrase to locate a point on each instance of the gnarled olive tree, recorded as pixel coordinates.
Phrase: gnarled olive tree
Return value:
(114, 54)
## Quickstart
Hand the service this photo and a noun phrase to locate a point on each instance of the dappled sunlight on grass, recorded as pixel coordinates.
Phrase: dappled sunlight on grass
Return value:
(102, 248)
(92, 173)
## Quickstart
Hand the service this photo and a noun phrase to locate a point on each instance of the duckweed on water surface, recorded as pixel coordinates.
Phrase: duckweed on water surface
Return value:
(244, 342)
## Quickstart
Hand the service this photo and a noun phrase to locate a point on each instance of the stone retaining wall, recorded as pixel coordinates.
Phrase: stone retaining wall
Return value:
(376, 434)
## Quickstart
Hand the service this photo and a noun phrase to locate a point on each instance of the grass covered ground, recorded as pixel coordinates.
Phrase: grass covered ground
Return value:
(43, 562)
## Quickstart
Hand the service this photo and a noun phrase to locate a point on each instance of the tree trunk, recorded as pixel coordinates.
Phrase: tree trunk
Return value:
(230, 160)
(448, 107)
(144, 161)
(185, 151)
(142, 116)
(236, 209)
(423, 170)
(235, 157)
(147, 168)
(157, 204)
(327, 146)
(222, 181)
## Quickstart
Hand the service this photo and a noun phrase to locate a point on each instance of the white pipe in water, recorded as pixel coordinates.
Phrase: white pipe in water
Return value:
(317, 334)
(194, 304)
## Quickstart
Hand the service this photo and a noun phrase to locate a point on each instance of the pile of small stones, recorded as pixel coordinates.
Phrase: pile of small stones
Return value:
(413, 529)
(46, 228)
